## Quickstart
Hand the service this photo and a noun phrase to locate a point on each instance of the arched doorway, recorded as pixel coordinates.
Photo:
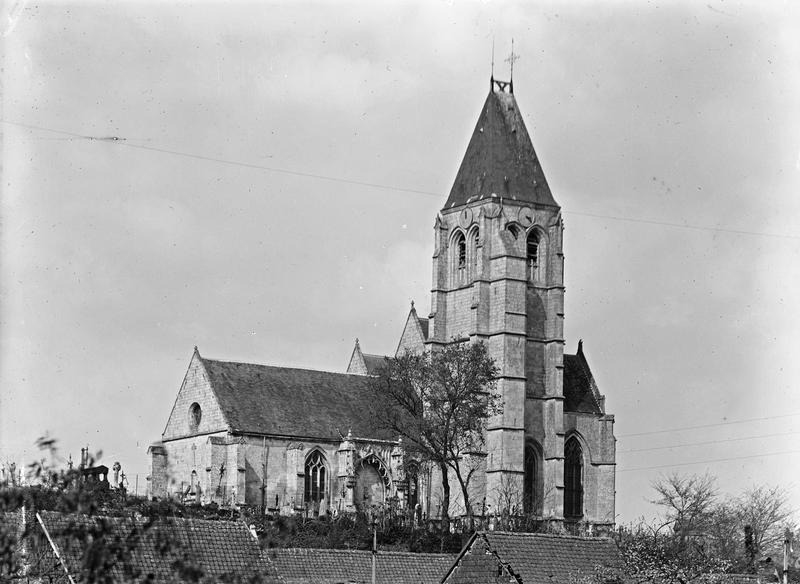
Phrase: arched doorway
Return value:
(372, 482)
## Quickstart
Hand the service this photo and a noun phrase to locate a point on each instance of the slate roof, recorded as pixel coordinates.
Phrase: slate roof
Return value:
(316, 566)
(263, 399)
(374, 363)
(423, 322)
(500, 158)
(580, 390)
(532, 558)
(217, 548)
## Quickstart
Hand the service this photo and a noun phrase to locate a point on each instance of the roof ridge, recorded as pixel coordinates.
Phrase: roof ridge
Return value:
(368, 552)
(548, 535)
(142, 518)
(283, 367)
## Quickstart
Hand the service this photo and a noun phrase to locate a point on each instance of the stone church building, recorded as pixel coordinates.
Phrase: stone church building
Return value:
(296, 439)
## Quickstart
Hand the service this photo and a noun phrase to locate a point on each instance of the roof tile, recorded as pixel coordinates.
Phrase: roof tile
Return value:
(329, 566)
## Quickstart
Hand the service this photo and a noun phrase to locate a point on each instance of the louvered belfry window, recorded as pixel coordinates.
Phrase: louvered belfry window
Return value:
(315, 477)
(533, 254)
(573, 479)
(461, 250)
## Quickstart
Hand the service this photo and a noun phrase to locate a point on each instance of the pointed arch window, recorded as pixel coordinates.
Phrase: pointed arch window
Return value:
(530, 501)
(573, 479)
(316, 475)
(532, 248)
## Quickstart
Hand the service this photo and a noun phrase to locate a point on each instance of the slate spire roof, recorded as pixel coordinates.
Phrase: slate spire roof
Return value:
(500, 160)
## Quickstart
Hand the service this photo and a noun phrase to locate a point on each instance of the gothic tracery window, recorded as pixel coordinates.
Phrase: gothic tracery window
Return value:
(315, 475)
(573, 479)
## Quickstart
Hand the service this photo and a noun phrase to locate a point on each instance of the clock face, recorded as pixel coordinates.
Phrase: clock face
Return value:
(465, 217)
(526, 216)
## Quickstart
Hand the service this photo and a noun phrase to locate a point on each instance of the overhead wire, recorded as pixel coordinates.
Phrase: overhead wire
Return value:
(701, 426)
(124, 142)
(685, 444)
(733, 458)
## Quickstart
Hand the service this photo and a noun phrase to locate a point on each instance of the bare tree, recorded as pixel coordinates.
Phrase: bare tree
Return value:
(688, 501)
(701, 533)
(766, 510)
(439, 403)
(653, 554)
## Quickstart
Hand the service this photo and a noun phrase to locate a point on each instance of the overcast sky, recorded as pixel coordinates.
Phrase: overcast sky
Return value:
(120, 255)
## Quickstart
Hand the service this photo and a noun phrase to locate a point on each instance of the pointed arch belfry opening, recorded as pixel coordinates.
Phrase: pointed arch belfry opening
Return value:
(459, 267)
(532, 251)
(573, 479)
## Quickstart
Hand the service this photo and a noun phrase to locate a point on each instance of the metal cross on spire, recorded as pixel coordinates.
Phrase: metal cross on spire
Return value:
(512, 58)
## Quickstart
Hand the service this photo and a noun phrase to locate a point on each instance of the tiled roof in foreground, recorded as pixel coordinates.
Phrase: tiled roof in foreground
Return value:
(533, 558)
(142, 550)
(316, 566)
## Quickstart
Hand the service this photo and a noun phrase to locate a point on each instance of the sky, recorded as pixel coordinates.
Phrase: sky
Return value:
(261, 180)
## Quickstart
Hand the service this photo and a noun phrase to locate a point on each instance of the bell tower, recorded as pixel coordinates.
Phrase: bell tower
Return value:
(498, 277)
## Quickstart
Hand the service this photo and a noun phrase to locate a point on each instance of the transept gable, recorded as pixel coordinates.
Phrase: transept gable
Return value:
(364, 363)
(415, 333)
(196, 409)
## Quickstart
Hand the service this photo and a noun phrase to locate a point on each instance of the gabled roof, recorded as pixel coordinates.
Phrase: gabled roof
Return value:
(263, 399)
(415, 333)
(364, 363)
(580, 390)
(217, 548)
(374, 363)
(325, 566)
(500, 160)
(532, 558)
(423, 323)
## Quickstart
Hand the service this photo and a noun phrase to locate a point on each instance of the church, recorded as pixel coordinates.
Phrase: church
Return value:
(293, 440)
